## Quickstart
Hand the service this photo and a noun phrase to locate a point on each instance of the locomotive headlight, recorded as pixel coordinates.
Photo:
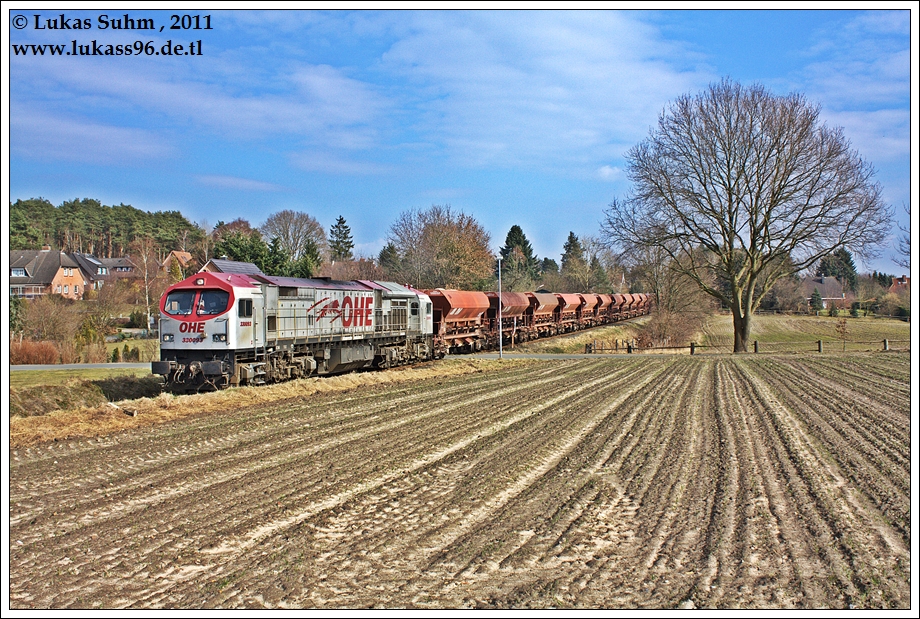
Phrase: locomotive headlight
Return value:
(168, 337)
(220, 337)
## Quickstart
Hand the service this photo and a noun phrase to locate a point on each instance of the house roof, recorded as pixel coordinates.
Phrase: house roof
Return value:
(828, 287)
(899, 283)
(183, 257)
(41, 266)
(231, 266)
(114, 263)
(90, 265)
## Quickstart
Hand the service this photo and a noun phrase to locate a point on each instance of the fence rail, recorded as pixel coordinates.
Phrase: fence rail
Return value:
(631, 347)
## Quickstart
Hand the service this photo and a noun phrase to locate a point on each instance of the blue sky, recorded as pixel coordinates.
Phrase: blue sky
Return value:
(512, 117)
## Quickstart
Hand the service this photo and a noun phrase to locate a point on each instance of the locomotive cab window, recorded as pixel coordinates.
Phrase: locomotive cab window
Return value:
(213, 302)
(244, 307)
(180, 302)
(415, 309)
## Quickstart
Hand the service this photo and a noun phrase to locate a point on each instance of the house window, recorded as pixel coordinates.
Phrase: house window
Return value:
(76, 289)
(18, 273)
(66, 289)
(103, 271)
(58, 289)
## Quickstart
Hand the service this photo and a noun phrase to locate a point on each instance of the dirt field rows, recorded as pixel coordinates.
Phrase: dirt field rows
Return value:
(649, 482)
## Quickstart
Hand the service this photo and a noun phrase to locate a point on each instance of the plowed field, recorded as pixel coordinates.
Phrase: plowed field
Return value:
(640, 482)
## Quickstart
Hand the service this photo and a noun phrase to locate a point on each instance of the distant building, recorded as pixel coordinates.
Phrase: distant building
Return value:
(93, 268)
(830, 289)
(899, 283)
(184, 259)
(222, 265)
(120, 267)
(34, 273)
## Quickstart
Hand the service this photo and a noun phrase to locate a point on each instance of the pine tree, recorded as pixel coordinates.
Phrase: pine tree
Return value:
(817, 303)
(340, 242)
(573, 254)
(389, 261)
(575, 267)
(840, 265)
(520, 268)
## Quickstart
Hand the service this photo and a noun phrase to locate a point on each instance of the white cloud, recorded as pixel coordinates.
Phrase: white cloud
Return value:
(610, 173)
(312, 103)
(40, 135)
(328, 163)
(236, 182)
(882, 135)
(539, 89)
(864, 62)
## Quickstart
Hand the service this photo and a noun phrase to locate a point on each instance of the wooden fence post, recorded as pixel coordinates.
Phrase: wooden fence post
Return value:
(885, 344)
(820, 346)
(692, 347)
(756, 347)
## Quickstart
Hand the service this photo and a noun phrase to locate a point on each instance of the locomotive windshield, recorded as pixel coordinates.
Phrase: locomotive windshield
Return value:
(180, 302)
(213, 302)
(207, 302)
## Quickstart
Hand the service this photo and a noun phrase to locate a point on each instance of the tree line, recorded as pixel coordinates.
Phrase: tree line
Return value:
(87, 226)
(437, 247)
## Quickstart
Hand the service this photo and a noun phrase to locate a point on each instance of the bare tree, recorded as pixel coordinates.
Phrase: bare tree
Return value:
(359, 268)
(144, 255)
(439, 248)
(740, 188)
(903, 258)
(294, 230)
(101, 309)
(51, 317)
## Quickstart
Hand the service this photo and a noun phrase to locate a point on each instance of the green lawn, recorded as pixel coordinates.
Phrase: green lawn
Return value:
(779, 329)
(22, 379)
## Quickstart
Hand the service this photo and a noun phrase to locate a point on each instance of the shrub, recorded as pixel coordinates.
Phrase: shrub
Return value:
(95, 352)
(138, 320)
(28, 352)
(670, 329)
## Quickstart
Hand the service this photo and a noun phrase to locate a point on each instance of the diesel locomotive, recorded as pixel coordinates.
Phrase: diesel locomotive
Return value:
(223, 329)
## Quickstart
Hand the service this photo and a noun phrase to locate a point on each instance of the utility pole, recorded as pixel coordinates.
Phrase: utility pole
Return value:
(500, 351)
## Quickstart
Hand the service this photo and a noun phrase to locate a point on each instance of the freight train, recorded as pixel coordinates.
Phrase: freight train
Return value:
(223, 329)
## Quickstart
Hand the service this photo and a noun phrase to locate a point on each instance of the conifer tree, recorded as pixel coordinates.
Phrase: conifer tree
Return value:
(817, 303)
(520, 268)
(340, 242)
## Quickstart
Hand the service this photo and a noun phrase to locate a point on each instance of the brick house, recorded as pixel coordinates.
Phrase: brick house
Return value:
(184, 259)
(899, 283)
(96, 271)
(35, 273)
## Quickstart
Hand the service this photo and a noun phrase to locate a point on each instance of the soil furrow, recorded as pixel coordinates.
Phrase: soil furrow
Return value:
(630, 482)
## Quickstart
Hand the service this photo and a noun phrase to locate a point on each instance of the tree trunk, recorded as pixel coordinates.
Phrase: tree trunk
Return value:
(742, 325)
(741, 321)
